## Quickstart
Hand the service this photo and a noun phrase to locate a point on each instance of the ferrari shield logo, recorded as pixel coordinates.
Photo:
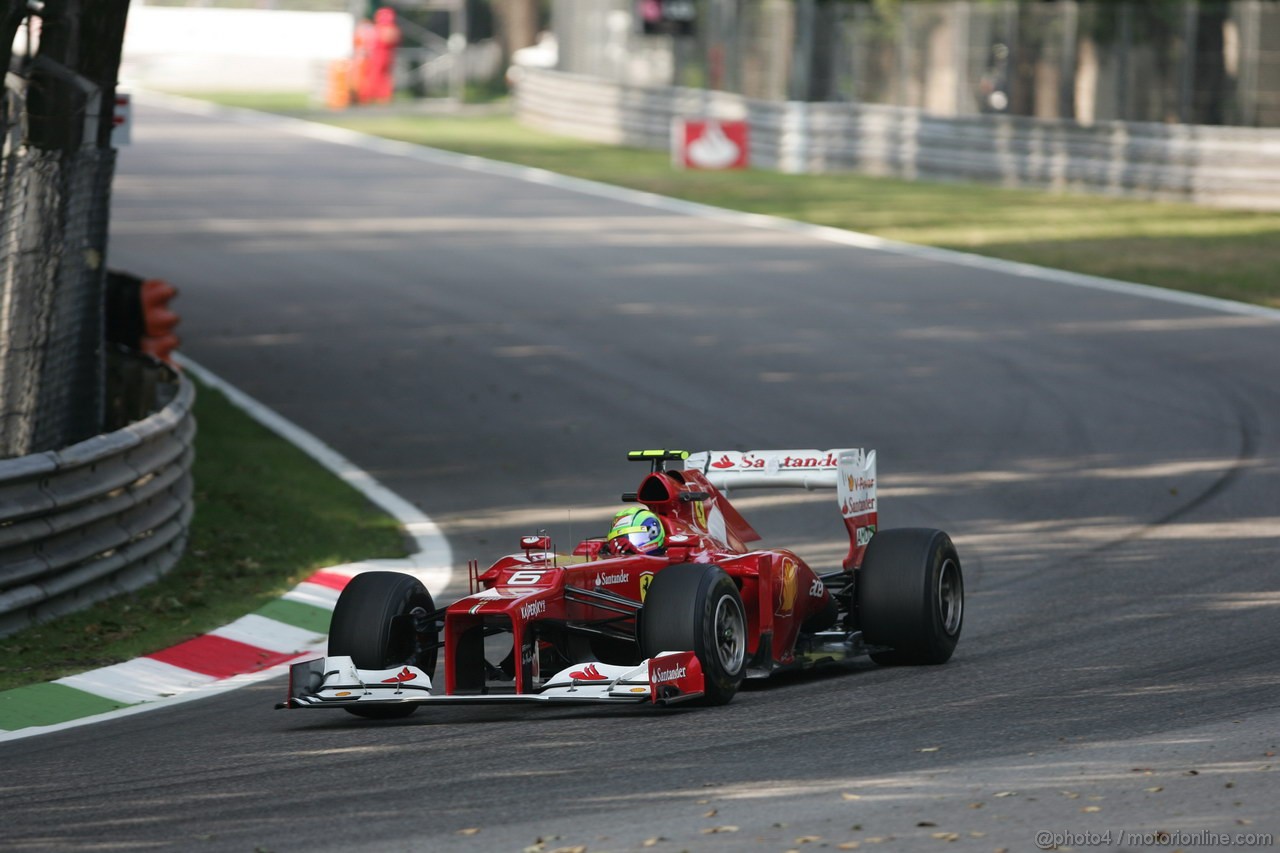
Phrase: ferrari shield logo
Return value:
(646, 579)
(787, 586)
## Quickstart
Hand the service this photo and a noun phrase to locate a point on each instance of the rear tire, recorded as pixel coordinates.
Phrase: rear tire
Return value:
(911, 596)
(696, 607)
(373, 624)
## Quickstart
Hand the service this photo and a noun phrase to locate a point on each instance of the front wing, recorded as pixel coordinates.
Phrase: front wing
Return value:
(336, 682)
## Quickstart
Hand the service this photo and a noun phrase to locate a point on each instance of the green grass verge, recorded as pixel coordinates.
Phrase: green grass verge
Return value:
(1227, 253)
(267, 515)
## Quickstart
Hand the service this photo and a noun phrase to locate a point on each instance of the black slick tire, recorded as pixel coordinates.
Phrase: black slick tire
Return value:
(372, 624)
(911, 596)
(696, 607)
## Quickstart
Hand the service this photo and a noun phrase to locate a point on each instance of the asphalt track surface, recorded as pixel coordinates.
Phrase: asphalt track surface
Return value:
(1108, 464)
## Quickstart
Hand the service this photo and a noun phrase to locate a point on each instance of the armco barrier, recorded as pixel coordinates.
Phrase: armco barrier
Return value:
(1222, 166)
(101, 517)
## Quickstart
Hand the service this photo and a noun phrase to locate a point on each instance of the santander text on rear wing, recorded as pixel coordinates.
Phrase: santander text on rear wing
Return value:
(850, 471)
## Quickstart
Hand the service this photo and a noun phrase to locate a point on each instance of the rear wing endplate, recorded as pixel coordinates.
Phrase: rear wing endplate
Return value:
(850, 471)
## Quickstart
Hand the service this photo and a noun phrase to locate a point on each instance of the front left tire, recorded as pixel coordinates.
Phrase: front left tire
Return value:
(696, 607)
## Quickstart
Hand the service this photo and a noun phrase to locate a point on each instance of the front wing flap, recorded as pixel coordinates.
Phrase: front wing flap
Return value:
(336, 682)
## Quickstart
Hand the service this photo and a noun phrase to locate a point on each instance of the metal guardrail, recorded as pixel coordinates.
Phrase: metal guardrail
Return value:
(1221, 166)
(101, 517)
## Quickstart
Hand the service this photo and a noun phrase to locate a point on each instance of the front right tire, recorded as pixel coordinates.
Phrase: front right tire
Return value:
(373, 624)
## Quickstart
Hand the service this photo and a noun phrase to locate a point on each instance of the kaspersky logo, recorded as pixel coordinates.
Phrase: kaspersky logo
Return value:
(532, 609)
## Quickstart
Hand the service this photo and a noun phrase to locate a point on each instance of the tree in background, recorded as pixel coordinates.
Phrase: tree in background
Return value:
(518, 23)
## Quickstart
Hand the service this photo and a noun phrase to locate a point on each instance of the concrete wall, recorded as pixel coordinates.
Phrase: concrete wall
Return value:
(1223, 166)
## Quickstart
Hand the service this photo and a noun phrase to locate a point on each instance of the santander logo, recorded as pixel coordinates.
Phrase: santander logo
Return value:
(674, 673)
(402, 675)
(713, 149)
(589, 673)
(772, 462)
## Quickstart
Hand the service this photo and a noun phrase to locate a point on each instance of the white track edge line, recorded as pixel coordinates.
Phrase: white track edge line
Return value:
(433, 560)
(826, 233)
(433, 548)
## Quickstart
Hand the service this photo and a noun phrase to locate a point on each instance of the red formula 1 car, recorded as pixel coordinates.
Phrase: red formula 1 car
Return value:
(617, 623)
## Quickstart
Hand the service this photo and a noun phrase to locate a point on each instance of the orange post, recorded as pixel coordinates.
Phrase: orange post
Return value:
(158, 321)
(338, 96)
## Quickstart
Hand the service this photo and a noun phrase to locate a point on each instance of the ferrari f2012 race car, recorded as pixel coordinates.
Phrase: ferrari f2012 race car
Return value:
(617, 622)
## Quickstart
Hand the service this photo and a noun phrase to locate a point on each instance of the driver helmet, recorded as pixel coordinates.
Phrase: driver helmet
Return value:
(641, 528)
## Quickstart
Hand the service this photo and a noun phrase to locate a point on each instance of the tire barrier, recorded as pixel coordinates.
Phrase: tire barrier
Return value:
(104, 516)
(1221, 166)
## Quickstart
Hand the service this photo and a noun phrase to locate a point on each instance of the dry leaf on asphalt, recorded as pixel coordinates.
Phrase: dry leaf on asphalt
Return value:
(471, 830)
(847, 796)
(712, 830)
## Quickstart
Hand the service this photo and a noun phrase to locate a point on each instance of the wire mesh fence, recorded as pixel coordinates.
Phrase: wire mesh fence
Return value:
(1210, 62)
(95, 496)
(55, 176)
(52, 233)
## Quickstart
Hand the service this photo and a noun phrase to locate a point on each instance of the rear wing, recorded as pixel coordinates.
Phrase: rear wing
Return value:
(850, 471)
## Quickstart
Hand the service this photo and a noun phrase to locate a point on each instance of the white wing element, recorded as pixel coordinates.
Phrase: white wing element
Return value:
(850, 471)
(336, 682)
(805, 469)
